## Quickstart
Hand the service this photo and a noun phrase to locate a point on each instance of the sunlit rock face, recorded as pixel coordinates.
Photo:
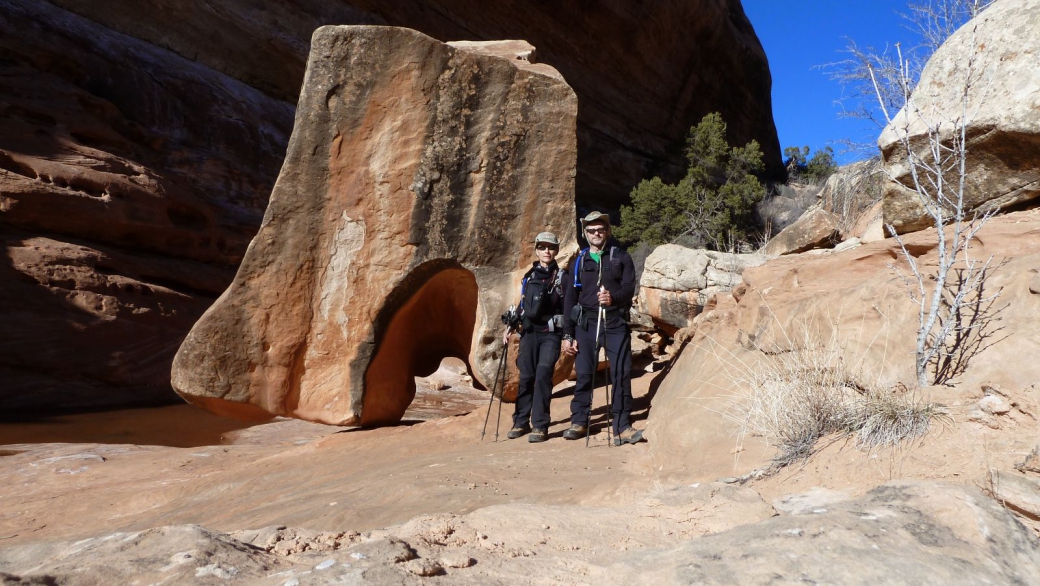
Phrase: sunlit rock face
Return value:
(1003, 131)
(396, 233)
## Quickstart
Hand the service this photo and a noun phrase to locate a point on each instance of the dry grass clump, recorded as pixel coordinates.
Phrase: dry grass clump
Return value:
(888, 417)
(795, 397)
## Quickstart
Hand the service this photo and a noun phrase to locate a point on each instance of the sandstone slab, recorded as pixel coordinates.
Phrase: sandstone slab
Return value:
(816, 228)
(904, 532)
(1003, 128)
(1018, 491)
(677, 282)
(391, 239)
(920, 532)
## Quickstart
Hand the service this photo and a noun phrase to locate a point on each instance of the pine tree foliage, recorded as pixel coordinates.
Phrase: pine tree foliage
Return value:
(712, 207)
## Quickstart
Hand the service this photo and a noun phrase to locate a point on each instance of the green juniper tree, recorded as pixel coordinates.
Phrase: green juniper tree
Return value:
(814, 169)
(712, 207)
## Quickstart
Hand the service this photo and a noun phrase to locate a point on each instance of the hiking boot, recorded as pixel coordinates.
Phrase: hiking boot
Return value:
(629, 436)
(575, 431)
(538, 435)
(519, 431)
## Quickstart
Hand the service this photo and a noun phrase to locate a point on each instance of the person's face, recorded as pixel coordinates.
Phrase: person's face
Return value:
(597, 233)
(545, 252)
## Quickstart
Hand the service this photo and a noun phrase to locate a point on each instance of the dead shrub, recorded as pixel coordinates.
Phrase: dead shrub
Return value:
(795, 397)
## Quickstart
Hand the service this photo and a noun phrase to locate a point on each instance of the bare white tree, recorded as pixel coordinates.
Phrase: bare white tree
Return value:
(880, 79)
(934, 147)
(936, 20)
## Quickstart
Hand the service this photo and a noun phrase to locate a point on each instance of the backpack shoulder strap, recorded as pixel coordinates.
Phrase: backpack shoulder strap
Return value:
(577, 267)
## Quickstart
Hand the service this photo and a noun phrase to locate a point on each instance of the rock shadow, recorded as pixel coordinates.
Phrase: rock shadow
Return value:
(429, 316)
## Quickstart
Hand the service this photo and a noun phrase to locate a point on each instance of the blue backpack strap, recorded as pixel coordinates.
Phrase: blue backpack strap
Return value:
(577, 267)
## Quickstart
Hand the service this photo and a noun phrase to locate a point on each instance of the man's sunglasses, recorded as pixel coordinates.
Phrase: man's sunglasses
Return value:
(600, 230)
(544, 247)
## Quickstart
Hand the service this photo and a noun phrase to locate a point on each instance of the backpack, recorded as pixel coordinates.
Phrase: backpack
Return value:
(536, 296)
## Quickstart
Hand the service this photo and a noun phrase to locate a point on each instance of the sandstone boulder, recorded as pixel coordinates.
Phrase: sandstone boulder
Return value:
(815, 229)
(677, 282)
(392, 236)
(1003, 128)
(869, 226)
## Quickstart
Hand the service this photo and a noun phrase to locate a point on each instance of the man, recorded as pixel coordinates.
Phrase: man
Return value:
(603, 276)
(540, 327)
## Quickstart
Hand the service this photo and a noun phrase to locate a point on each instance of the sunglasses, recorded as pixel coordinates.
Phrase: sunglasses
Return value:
(544, 247)
(599, 230)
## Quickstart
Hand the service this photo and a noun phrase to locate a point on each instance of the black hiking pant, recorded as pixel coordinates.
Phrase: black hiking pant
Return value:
(615, 336)
(539, 352)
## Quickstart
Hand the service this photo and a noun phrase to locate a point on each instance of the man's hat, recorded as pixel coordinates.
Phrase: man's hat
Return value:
(548, 238)
(594, 217)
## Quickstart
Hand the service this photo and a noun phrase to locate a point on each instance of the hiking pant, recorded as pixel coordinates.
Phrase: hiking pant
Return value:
(615, 336)
(539, 352)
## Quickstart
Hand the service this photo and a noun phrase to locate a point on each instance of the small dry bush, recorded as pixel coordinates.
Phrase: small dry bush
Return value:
(854, 189)
(887, 417)
(785, 204)
(795, 397)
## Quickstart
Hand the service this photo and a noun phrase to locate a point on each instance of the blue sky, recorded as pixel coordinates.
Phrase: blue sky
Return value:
(798, 37)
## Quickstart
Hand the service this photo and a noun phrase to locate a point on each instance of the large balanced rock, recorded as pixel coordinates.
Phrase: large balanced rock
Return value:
(393, 235)
(644, 72)
(127, 132)
(131, 180)
(677, 282)
(1003, 125)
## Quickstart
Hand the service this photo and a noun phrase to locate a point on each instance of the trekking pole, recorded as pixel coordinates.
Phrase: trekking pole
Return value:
(595, 368)
(491, 401)
(498, 418)
(607, 384)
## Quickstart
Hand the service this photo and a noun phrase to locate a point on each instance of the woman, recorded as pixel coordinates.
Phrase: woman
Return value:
(541, 328)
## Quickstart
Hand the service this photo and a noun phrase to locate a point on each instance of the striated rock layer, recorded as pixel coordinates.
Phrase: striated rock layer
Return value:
(1003, 129)
(644, 72)
(391, 239)
(131, 180)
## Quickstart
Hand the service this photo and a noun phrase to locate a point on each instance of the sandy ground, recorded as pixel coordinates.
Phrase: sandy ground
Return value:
(70, 477)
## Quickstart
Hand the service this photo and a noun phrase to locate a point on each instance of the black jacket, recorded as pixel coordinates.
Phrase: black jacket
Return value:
(619, 277)
(552, 280)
